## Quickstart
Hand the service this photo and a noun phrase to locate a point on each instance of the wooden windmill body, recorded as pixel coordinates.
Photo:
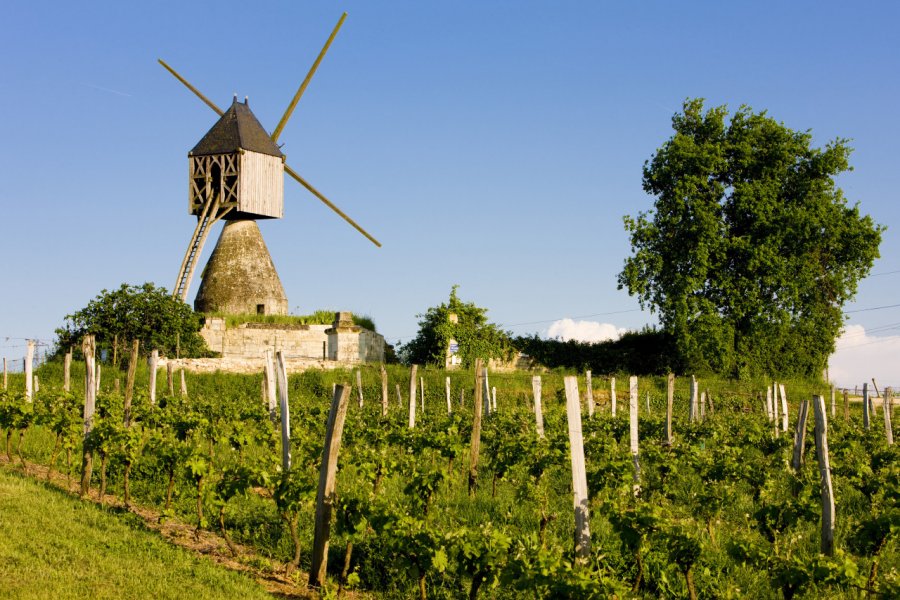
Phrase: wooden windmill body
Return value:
(236, 174)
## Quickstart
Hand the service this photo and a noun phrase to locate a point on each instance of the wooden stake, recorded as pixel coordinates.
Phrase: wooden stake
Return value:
(271, 387)
(90, 398)
(399, 396)
(475, 443)
(412, 396)
(494, 397)
(770, 411)
(384, 392)
(281, 375)
(183, 384)
(579, 476)
(694, 408)
(828, 516)
(538, 413)
(67, 371)
(129, 379)
(670, 401)
(589, 393)
(702, 406)
(422, 393)
(612, 395)
(784, 408)
(29, 370)
(866, 406)
(846, 404)
(487, 390)
(833, 407)
(775, 408)
(886, 407)
(800, 437)
(97, 380)
(447, 389)
(327, 484)
(633, 432)
(154, 362)
(359, 390)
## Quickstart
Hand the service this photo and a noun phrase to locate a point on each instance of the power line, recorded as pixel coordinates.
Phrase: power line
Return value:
(847, 312)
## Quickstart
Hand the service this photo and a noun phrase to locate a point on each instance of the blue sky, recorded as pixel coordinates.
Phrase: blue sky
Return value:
(494, 145)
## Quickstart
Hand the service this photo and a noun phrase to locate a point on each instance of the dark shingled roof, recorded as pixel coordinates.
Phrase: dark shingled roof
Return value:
(237, 128)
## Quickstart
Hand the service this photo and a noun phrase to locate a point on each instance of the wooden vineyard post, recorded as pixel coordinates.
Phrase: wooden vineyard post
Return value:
(846, 404)
(412, 396)
(866, 406)
(29, 370)
(281, 374)
(670, 400)
(648, 403)
(384, 391)
(579, 476)
(447, 389)
(775, 408)
(183, 384)
(827, 543)
(37, 385)
(702, 406)
(800, 437)
(271, 387)
(129, 379)
(694, 413)
(422, 393)
(475, 444)
(67, 372)
(399, 396)
(327, 480)
(633, 432)
(90, 397)
(589, 393)
(612, 395)
(487, 391)
(359, 390)
(494, 397)
(886, 407)
(538, 412)
(97, 379)
(784, 408)
(769, 411)
(154, 361)
(833, 414)
(170, 377)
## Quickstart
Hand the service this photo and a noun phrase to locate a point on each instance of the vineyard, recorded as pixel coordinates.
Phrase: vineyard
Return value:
(445, 491)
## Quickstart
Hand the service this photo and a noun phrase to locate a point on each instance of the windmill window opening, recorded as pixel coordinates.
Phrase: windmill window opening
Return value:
(260, 309)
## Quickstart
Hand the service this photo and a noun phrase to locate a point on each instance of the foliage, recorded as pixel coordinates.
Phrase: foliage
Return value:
(751, 250)
(476, 337)
(319, 317)
(146, 313)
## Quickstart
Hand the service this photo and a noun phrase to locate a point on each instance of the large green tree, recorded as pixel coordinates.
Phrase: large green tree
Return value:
(146, 313)
(751, 250)
(476, 337)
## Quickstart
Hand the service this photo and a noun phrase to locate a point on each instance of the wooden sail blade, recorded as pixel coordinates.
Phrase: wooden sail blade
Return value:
(312, 71)
(206, 100)
(328, 203)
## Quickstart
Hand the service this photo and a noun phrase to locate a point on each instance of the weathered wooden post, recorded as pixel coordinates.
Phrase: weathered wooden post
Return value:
(579, 476)
(589, 393)
(447, 389)
(612, 395)
(412, 396)
(770, 411)
(827, 543)
(67, 371)
(538, 413)
(702, 406)
(775, 409)
(154, 362)
(670, 400)
(270, 386)
(37, 385)
(281, 374)
(888, 403)
(384, 391)
(494, 396)
(97, 380)
(327, 484)
(183, 385)
(487, 389)
(129, 379)
(359, 390)
(90, 397)
(29, 370)
(170, 376)
(422, 393)
(475, 443)
(784, 408)
(633, 431)
(833, 407)
(846, 404)
(694, 408)
(800, 437)
(866, 406)
(399, 395)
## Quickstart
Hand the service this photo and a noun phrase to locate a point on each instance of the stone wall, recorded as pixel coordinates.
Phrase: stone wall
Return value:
(341, 341)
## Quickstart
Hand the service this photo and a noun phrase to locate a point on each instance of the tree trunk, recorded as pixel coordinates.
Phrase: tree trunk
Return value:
(103, 459)
(127, 486)
(689, 579)
(477, 580)
(228, 541)
(348, 555)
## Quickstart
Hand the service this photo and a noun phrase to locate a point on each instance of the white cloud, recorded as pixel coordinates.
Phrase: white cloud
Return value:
(584, 331)
(860, 356)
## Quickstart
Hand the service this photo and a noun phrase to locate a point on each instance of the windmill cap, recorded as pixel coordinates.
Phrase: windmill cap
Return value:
(237, 129)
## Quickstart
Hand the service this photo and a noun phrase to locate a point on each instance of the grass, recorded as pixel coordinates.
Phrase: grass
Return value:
(56, 546)
(319, 317)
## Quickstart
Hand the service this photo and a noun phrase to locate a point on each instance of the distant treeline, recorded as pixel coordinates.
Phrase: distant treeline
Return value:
(646, 352)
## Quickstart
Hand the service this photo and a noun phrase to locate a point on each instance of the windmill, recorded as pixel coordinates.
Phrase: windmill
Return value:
(237, 175)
